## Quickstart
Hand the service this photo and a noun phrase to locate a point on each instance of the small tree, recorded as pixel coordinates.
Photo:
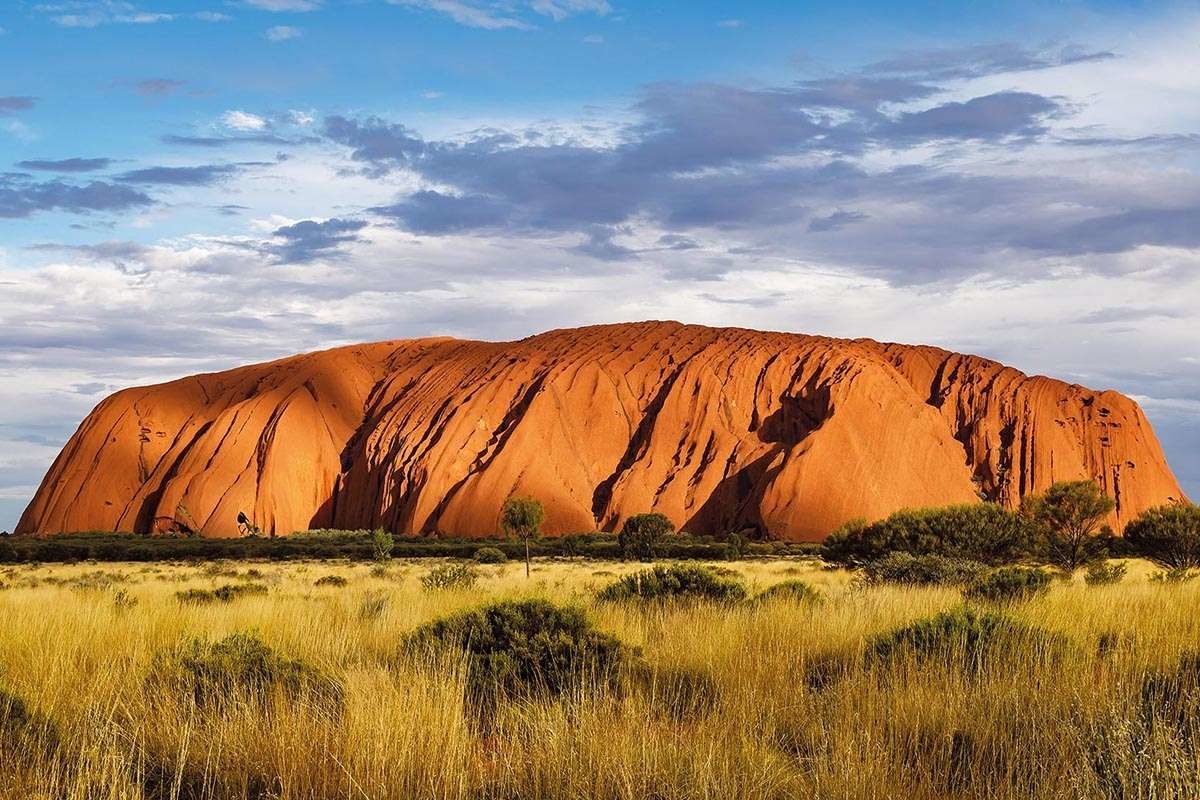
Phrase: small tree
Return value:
(1168, 535)
(1069, 515)
(642, 533)
(382, 544)
(522, 517)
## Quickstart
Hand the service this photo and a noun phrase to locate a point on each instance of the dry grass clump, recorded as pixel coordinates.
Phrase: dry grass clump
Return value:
(880, 691)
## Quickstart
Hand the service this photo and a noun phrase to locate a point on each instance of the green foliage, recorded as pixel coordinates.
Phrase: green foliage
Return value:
(519, 648)
(1009, 585)
(642, 533)
(242, 665)
(963, 637)
(1168, 535)
(332, 581)
(460, 575)
(983, 532)
(1067, 518)
(793, 591)
(490, 555)
(1175, 575)
(521, 517)
(675, 582)
(222, 594)
(923, 570)
(1105, 573)
(382, 544)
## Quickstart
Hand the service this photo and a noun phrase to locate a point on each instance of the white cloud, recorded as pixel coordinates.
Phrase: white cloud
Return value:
(593, 39)
(244, 121)
(285, 5)
(212, 16)
(281, 33)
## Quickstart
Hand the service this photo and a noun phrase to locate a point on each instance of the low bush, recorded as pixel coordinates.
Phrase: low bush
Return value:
(333, 581)
(924, 570)
(450, 576)
(1009, 585)
(222, 594)
(963, 637)
(675, 582)
(1105, 573)
(241, 665)
(984, 532)
(794, 591)
(1168, 535)
(1175, 575)
(521, 648)
(490, 555)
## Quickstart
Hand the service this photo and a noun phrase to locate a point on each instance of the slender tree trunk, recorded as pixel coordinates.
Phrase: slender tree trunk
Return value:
(526, 556)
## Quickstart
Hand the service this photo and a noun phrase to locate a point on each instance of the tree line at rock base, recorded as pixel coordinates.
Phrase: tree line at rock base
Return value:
(1062, 527)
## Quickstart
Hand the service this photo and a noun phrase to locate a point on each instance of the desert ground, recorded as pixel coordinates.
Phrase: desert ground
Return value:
(756, 699)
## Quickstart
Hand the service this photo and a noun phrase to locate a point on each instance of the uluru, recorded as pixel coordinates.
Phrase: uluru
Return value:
(721, 429)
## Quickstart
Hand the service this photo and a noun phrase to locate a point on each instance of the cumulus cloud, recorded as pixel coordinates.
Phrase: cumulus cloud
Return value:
(244, 121)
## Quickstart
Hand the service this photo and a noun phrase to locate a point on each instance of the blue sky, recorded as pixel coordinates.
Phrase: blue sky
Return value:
(187, 186)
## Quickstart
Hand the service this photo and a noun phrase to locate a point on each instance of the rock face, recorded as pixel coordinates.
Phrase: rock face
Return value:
(719, 429)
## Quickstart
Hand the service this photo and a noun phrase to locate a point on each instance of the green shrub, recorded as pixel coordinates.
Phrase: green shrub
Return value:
(675, 582)
(1175, 575)
(794, 590)
(1105, 573)
(924, 570)
(1009, 584)
(242, 665)
(965, 638)
(450, 576)
(980, 532)
(1168, 535)
(642, 533)
(520, 648)
(490, 555)
(382, 544)
(222, 594)
(336, 581)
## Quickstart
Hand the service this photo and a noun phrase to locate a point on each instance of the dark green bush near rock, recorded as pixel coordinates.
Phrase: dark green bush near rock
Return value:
(794, 590)
(490, 555)
(965, 638)
(983, 532)
(675, 582)
(1168, 535)
(923, 570)
(332, 581)
(241, 665)
(1105, 573)
(642, 534)
(1009, 584)
(521, 648)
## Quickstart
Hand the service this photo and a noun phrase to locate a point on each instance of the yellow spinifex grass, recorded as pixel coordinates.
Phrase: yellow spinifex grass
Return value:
(793, 709)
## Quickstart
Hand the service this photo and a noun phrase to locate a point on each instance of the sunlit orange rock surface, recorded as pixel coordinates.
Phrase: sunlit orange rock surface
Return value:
(719, 429)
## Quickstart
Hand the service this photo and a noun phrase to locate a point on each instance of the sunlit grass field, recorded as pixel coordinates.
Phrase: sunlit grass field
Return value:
(780, 701)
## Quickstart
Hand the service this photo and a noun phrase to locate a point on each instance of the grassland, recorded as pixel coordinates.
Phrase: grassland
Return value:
(757, 700)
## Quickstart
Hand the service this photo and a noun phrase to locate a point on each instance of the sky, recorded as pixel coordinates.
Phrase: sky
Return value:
(189, 186)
